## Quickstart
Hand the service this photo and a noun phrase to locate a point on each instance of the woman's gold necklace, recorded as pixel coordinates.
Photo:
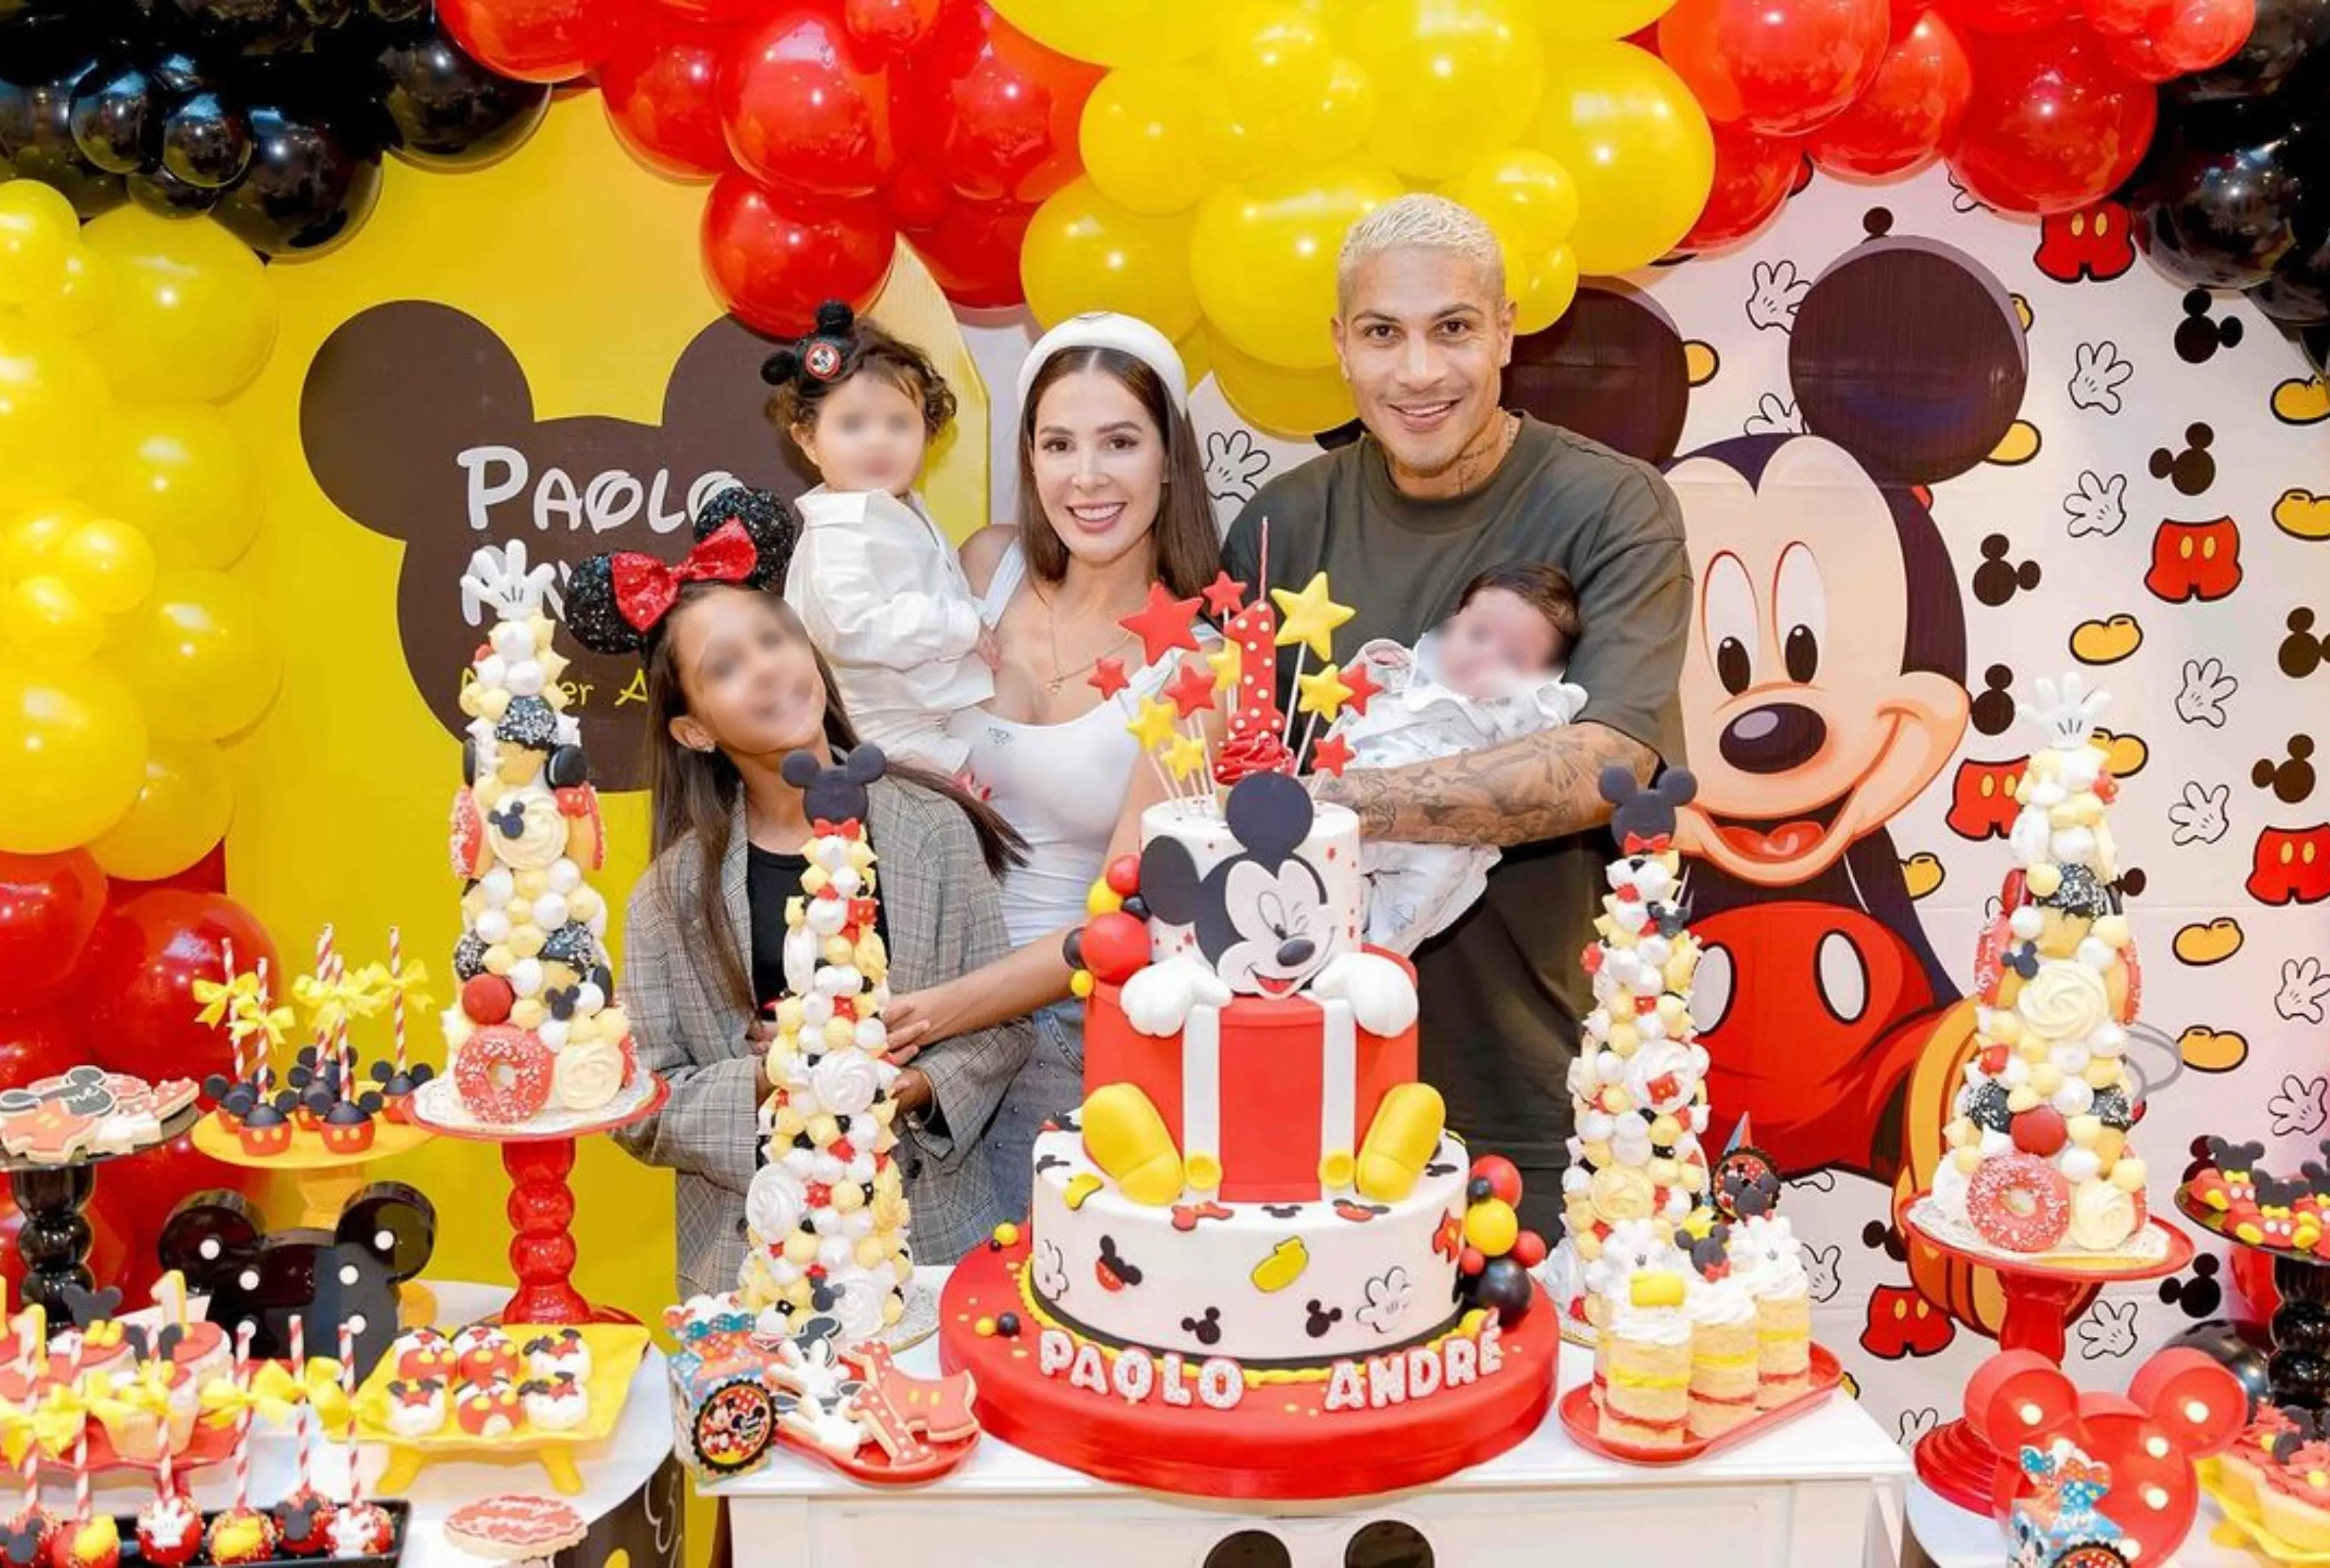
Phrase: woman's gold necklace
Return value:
(1061, 677)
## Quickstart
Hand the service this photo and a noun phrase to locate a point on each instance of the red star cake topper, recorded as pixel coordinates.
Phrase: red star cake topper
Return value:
(1359, 687)
(1225, 596)
(1163, 624)
(1107, 678)
(1332, 755)
(1191, 690)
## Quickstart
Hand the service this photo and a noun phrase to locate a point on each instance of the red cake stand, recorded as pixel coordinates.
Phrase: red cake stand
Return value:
(541, 1202)
(1274, 1445)
(1952, 1459)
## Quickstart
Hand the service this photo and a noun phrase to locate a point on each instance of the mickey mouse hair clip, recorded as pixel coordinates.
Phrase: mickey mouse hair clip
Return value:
(820, 355)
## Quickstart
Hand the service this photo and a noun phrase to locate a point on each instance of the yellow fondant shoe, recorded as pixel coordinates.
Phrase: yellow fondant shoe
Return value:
(1127, 1139)
(1401, 1139)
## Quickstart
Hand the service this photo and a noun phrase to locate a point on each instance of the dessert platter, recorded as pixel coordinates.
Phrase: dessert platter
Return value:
(54, 1132)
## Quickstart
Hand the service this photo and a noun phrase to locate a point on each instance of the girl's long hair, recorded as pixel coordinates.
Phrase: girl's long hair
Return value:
(693, 794)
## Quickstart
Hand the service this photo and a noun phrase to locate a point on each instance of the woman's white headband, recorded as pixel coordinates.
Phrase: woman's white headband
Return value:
(1107, 329)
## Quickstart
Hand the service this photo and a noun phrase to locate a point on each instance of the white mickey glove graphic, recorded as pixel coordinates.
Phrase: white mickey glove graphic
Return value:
(1774, 416)
(2304, 989)
(1916, 1423)
(1965, 201)
(2099, 505)
(2199, 817)
(2202, 700)
(1776, 294)
(2109, 1330)
(1818, 1181)
(2096, 375)
(1822, 1279)
(2066, 709)
(2299, 1111)
(499, 579)
(1233, 465)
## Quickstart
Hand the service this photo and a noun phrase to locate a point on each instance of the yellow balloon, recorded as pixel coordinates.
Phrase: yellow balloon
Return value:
(192, 313)
(178, 817)
(1084, 253)
(28, 544)
(1263, 257)
(1525, 195)
(1543, 287)
(1141, 138)
(53, 401)
(182, 475)
(37, 227)
(1270, 397)
(108, 564)
(1115, 32)
(1634, 140)
(201, 655)
(1595, 21)
(72, 754)
(1196, 349)
(1455, 79)
(1279, 97)
(47, 620)
(77, 300)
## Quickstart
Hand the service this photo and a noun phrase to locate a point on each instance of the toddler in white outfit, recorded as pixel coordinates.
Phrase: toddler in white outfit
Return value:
(877, 584)
(1488, 673)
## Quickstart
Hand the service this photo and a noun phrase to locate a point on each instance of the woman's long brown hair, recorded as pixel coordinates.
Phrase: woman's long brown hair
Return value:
(693, 794)
(1188, 546)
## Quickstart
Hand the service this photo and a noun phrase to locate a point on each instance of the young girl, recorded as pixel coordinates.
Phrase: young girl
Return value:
(733, 686)
(873, 579)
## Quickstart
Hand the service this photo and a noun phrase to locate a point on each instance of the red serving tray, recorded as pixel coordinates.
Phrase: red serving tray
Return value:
(875, 1467)
(209, 1445)
(1579, 1419)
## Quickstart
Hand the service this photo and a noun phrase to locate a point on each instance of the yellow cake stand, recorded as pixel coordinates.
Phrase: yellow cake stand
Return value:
(615, 1351)
(325, 1180)
(2243, 1526)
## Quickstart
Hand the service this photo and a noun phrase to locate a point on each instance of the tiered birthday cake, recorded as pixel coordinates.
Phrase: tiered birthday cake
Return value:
(2040, 1162)
(1257, 1264)
(536, 1036)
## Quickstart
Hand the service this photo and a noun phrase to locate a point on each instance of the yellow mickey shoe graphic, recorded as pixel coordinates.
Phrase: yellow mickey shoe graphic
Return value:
(1284, 1266)
(1400, 1140)
(2303, 514)
(1127, 1139)
(2017, 447)
(1922, 874)
(1701, 362)
(2125, 755)
(2302, 401)
(2202, 945)
(2207, 1050)
(2106, 642)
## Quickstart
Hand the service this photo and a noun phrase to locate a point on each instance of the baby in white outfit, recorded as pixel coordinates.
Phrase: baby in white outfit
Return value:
(1488, 673)
(875, 582)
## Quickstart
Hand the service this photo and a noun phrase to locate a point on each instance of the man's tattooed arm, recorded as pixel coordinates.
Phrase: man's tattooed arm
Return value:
(1539, 787)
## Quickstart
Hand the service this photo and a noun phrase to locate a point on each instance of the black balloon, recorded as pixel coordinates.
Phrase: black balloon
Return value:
(179, 74)
(2219, 199)
(450, 111)
(397, 10)
(2299, 293)
(160, 192)
(43, 60)
(2315, 342)
(2286, 31)
(246, 26)
(116, 118)
(2221, 1342)
(206, 142)
(309, 189)
(1504, 1288)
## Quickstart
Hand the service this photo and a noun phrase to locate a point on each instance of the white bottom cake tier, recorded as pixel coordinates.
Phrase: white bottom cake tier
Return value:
(1291, 1284)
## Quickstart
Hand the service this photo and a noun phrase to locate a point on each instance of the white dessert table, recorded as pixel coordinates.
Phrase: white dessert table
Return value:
(1823, 1492)
(1944, 1535)
(612, 1470)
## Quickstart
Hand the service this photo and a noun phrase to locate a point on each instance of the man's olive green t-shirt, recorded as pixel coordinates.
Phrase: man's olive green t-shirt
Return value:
(1503, 990)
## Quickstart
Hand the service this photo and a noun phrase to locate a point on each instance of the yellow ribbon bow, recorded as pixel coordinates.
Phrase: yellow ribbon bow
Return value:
(317, 1385)
(407, 983)
(331, 1004)
(55, 1423)
(113, 1397)
(250, 1019)
(225, 1402)
(219, 997)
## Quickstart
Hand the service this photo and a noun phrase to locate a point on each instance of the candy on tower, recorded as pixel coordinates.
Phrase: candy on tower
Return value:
(825, 1215)
(169, 1527)
(534, 1028)
(2039, 1158)
(239, 1533)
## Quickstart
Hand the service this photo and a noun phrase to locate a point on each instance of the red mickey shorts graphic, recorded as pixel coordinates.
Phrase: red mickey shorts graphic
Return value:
(1982, 799)
(2194, 561)
(2094, 242)
(2291, 866)
(1902, 1323)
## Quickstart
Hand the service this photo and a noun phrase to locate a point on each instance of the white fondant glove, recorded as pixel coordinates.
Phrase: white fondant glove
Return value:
(1158, 1000)
(1381, 994)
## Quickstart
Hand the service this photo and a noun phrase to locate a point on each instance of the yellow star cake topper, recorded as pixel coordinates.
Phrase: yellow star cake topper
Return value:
(1186, 755)
(1323, 691)
(1155, 727)
(1309, 615)
(1224, 660)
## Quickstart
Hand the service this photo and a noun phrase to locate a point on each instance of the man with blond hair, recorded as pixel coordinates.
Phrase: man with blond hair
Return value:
(1444, 482)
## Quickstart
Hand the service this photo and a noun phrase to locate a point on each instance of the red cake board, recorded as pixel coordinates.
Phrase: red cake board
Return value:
(1277, 1444)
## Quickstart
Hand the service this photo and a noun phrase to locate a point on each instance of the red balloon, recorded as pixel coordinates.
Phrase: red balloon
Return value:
(1781, 66)
(771, 259)
(1753, 175)
(2052, 126)
(2004, 15)
(973, 252)
(137, 988)
(916, 198)
(207, 874)
(992, 112)
(891, 27)
(718, 12)
(1115, 945)
(805, 106)
(2202, 35)
(40, 1043)
(532, 40)
(49, 905)
(2122, 18)
(1909, 113)
(658, 85)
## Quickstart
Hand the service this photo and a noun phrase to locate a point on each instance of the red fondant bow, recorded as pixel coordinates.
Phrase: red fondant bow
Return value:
(644, 587)
(1649, 844)
(826, 827)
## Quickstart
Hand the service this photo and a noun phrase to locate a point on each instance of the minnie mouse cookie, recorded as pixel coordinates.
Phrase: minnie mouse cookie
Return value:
(513, 1527)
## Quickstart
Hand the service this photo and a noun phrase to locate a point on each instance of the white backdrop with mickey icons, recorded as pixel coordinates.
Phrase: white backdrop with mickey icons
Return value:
(2158, 519)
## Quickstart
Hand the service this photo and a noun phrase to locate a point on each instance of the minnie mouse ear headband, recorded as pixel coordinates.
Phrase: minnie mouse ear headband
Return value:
(1128, 335)
(820, 355)
(615, 601)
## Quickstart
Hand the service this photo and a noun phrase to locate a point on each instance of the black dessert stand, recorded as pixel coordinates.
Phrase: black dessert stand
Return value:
(2298, 1363)
(54, 1238)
